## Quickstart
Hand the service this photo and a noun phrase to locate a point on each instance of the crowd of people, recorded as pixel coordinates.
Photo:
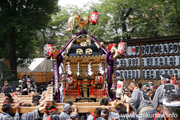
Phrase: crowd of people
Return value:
(138, 102)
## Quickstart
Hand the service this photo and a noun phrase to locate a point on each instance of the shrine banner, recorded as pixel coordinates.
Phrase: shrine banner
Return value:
(55, 75)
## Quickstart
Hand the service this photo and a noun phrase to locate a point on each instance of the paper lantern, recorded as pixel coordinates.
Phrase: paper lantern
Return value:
(125, 74)
(171, 50)
(133, 74)
(137, 62)
(151, 49)
(171, 72)
(171, 61)
(143, 74)
(173, 80)
(161, 71)
(133, 50)
(48, 50)
(176, 71)
(129, 62)
(118, 63)
(133, 62)
(144, 64)
(148, 74)
(137, 48)
(152, 74)
(118, 74)
(175, 47)
(94, 17)
(122, 47)
(147, 49)
(126, 62)
(161, 48)
(100, 79)
(129, 74)
(166, 71)
(129, 50)
(179, 47)
(166, 61)
(156, 59)
(147, 61)
(70, 80)
(166, 48)
(121, 73)
(143, 50)
(161, 61)
(138, 76)
(176, 60)
(119, 88)
(156, 49)
(157, 74)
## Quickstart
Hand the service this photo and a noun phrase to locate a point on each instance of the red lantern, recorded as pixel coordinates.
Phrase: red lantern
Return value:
(122, 46)
(48, 50)
(100, 79)
(94, 17)
(70, 80)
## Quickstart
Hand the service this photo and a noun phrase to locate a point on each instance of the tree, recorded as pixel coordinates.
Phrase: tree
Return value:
(18, 24)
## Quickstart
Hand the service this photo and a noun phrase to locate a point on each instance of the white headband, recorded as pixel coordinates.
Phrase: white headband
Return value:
(171, 104)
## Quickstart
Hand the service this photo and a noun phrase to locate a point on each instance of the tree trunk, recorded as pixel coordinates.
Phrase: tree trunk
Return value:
(10, 50)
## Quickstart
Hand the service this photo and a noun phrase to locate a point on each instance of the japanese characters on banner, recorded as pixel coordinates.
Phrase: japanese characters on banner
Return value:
(155, 59)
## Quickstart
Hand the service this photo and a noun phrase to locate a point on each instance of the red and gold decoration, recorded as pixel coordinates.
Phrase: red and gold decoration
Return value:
(48, 50)
(122, 46)
(94, 17)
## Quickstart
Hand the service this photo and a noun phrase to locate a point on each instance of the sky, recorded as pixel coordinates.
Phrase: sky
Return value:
(79, 3)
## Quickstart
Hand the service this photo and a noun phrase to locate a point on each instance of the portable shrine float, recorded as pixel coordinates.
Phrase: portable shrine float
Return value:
(83, 69)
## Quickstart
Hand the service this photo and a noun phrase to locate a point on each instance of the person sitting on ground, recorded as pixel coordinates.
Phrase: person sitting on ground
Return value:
(8, 111)
(7, 87)
(65, 115)
(96, 114)
(18, 91)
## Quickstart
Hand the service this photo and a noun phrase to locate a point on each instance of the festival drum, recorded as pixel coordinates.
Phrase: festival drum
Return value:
(171, 50)
(161, 61)
(147, 49)
(70, 81)
(176, 60)
(129, 51)
(175, 47)
(161, 49)
(156, 49)
(171, 61)
(118, 63)
(166, 61)
(137, 49)
(152, 49)
(166, 48)
(133, 50)
(100, 79)
(143, 50)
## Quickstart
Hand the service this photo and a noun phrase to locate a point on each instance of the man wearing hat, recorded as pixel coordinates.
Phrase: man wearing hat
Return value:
(65, 115)
(164, 90)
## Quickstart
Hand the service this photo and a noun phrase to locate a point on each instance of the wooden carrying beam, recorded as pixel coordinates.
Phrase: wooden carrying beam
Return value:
(81, 109)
